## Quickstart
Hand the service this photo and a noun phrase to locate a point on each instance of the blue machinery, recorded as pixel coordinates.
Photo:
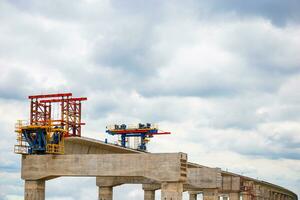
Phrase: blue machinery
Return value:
(142, 131)
(39, 139)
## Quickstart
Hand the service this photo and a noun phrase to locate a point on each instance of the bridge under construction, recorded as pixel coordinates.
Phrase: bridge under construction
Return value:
(51, 146)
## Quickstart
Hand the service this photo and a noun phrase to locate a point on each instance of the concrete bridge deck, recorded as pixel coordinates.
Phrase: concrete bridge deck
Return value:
(113, 165)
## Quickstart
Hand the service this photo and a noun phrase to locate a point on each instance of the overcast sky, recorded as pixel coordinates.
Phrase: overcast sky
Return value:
(222, 76)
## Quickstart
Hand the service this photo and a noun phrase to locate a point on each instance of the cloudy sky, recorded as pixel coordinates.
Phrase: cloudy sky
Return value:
(223, 76)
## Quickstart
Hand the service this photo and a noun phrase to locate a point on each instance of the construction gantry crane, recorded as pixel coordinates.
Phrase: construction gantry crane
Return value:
(45, 133)
(142, 131)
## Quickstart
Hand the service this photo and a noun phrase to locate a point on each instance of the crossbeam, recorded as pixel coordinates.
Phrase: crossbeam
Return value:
(204, 177)
(61, 100)
(50, 95)
(197, 179)
(168, 167)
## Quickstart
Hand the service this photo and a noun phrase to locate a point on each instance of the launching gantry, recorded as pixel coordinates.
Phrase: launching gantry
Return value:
(52, 118)
(142, 132)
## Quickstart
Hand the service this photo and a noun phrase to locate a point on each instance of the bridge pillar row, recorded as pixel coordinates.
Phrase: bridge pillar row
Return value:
(34, 190)
(171, 191)
(210, 194)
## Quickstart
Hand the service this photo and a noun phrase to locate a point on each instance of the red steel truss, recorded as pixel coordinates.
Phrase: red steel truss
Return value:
(70, 112)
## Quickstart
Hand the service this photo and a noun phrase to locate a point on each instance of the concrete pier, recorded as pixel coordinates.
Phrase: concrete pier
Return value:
(192, 196)
(234, 196)
(34, 190)
(105, 193)
(171, 191)
(210, 194)
(246, 196)
(149, 191)
(149, 194)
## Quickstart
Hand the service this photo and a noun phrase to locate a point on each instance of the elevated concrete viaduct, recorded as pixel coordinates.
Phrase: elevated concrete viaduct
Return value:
(114, 165)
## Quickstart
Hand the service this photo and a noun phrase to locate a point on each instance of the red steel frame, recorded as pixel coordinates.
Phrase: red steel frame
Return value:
(70, 119)
(126, 131)
(40, 113)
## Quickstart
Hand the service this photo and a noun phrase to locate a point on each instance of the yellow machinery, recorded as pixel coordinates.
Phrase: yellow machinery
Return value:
(39, 139)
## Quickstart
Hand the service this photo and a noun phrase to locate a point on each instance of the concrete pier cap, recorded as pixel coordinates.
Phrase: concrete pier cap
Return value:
(160, 167)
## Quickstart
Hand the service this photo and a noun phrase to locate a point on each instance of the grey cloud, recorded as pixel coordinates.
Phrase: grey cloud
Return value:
(15, 84)
(251, 143)
(287, 152)
(210, 86)
(128, 54)
(272, 155)
(277, 11)
(52, 9)
(270, 52)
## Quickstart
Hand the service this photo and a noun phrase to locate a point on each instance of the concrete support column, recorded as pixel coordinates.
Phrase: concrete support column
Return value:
(272, 195)
(210, 194)
(285, 197)
(149, 194)
(281, 196)
(266, 194)
(35, 190)
(288, 198)
(105, 193)
(192, 196)
(149, 191)
(276, 196)
(246, 196)
(171, 191)
(234, 196)
(258, 197)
